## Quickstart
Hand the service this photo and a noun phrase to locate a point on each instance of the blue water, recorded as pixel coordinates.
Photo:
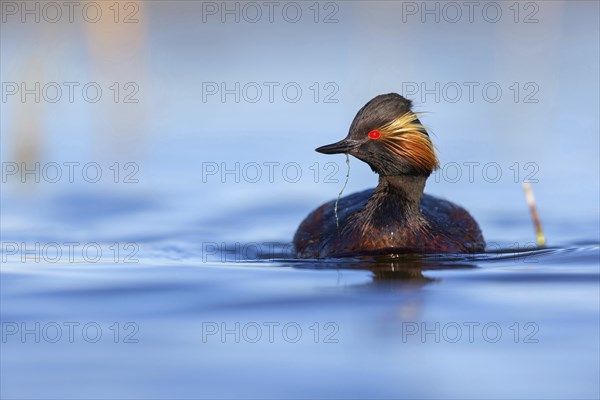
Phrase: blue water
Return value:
(212, 318)
(172, 276)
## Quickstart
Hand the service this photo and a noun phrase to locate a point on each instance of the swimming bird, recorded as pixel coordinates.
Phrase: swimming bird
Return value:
(396, 216)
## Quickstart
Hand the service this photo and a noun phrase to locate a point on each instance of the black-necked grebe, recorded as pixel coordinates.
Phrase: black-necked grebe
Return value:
(395, 217)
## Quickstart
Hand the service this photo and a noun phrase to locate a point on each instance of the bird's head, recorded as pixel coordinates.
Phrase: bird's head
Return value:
(387, 135)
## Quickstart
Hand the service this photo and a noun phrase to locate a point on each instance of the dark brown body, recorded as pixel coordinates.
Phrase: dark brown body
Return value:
(385, 221)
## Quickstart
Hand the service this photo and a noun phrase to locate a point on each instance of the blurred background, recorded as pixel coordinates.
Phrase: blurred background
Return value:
(171, 124)
(172, 92)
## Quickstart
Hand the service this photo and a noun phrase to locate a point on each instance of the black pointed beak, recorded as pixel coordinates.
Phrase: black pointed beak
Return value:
(343, 146)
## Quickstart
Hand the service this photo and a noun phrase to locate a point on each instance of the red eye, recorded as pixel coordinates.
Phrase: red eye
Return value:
(374, 134)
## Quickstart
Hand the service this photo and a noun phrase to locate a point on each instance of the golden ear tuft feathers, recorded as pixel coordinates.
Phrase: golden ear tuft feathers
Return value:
(407, 137)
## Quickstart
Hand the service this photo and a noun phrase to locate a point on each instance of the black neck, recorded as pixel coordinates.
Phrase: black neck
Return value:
(396, 200)
(409, 187)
